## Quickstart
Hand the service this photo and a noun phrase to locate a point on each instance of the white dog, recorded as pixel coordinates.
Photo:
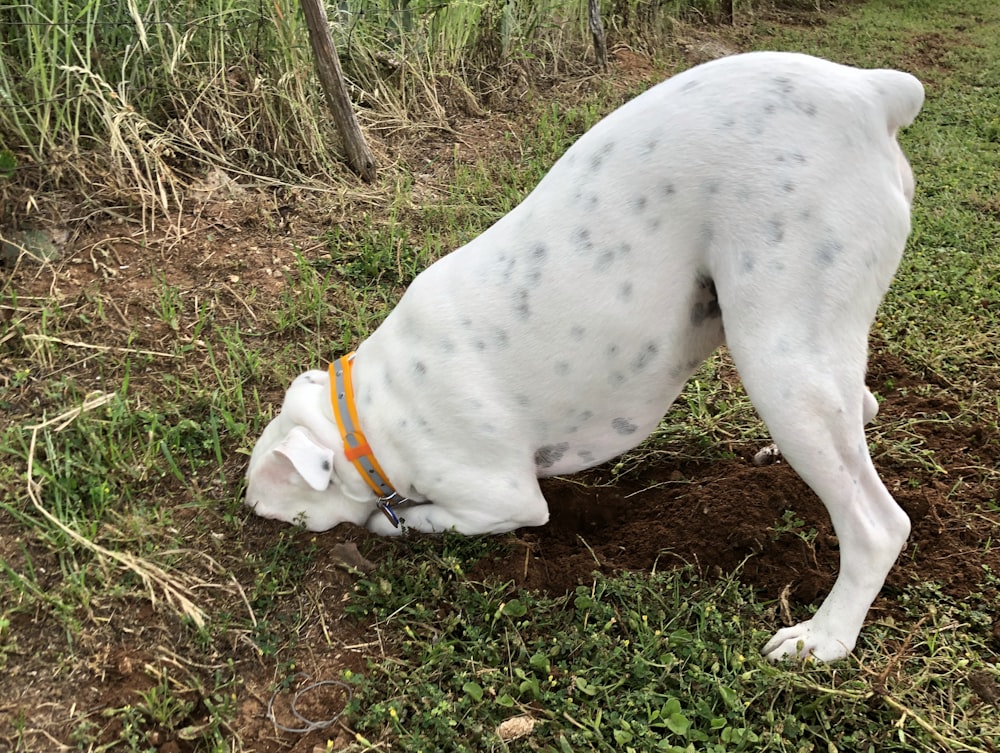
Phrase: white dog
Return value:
(759, 200)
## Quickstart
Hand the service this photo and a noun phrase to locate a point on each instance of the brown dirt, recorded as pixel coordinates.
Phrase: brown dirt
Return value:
(236, 258)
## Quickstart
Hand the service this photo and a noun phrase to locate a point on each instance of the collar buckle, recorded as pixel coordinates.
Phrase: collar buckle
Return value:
(385, 505)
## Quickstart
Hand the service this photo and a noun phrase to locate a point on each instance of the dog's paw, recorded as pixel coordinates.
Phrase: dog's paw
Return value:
(767, 456)
(804, 642)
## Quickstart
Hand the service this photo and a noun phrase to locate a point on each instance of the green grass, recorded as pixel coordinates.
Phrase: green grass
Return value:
(151, 96)
(135, 428)
(648, 662)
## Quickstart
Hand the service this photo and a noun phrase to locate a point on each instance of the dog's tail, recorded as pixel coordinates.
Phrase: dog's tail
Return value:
(902, 95)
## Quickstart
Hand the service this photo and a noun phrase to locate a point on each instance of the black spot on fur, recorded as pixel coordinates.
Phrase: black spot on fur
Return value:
(507, 271)
(419, 369)
(828, 251)
(784, 84)
(623, 426)
(581, 239)
(326, 465)
(604, 260)
(645, 356)
(550, 454)
(521, 307)
(774, 231)
(597, 159)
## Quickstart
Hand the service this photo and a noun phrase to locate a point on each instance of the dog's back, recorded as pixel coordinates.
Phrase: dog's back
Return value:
(736, 185)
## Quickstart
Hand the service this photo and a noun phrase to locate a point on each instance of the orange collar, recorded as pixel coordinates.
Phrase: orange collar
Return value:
(356, 447)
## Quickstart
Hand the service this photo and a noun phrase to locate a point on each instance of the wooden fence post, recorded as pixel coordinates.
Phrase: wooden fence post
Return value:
(597, 30)
(331, 76)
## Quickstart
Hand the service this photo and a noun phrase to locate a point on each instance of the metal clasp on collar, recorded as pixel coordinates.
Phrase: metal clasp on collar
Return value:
(385, 505)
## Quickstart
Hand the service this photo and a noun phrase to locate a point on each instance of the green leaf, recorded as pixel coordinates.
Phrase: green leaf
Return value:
(540, 663)
(474, 690)
(8, 164)
(678, 724)
(514, 608)
(730, 696)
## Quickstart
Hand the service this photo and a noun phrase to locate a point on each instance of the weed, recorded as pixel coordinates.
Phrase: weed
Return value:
(662, 662)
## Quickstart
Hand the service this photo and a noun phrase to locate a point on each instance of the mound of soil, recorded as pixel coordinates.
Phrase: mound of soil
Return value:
(764, 522)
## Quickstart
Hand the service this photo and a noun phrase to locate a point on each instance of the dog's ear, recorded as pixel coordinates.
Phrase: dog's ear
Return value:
(313, 461)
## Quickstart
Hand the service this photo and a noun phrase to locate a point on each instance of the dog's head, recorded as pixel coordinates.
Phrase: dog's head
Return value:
(293, 472)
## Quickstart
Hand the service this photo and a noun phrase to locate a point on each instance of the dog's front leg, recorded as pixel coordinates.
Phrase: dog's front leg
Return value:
(492, 504)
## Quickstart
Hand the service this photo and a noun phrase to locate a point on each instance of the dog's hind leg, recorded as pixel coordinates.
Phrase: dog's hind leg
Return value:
(772, 453)
(811, 394)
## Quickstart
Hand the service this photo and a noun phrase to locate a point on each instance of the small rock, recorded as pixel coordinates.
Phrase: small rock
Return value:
(348, 556)
(32, 245)
(516, 728)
